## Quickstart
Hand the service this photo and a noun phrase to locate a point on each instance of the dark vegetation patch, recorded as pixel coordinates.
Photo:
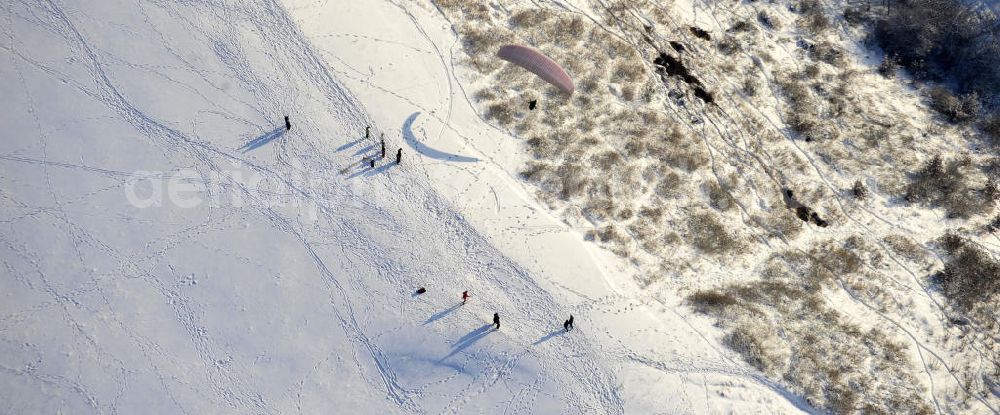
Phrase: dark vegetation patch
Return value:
(958, 109)
(971, 276)
(954, 43)
(667, 65)
(700, 33)
(948, 185)
(803, 212)
(766, 20)
(674, 67)
(859, 190)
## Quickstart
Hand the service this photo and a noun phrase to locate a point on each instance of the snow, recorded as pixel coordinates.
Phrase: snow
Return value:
(168, 247)
(261, 279)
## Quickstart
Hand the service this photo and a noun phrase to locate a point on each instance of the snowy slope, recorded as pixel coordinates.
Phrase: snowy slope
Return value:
(168, 248)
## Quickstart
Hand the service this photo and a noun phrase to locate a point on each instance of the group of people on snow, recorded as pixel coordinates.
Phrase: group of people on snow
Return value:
(371, 161)
(567, 325)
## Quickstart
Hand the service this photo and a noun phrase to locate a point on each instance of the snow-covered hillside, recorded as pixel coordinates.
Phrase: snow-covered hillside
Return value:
(168, 247)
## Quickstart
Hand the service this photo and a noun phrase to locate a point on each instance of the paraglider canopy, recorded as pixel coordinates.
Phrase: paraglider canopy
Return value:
(538, 64)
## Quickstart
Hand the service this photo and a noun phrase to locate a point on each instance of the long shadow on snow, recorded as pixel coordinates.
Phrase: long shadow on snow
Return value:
(468, 340)
(348, 145)
(264, 139)
(423, 149)
(380, 169)
(442, 313)
(367, 171)
(364, 150)
(548, 336)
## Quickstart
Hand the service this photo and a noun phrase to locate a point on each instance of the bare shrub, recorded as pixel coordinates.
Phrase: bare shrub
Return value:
(629, 72)
(938, 185)
(718, 197)
(993, 225)
(889, 66)
(530, 17)
(566, 31)
(855, 15)
(830, 262)
(668, 186)
(606, 160)
(991, 126)
(750, 84)
(874, 136)
(765, 19)
(708, 235)
(813, 16)
(970, 276)
(678, 150)
(778, 223)
(750, 347)
(812, 71)
(905, 247)
(711, 301)
(956, 109)
(729, 45)
(598, 208)
(859, 190)
(743, 26)
(501, 112)
(827, 52)
(573, 180)
(816, 22)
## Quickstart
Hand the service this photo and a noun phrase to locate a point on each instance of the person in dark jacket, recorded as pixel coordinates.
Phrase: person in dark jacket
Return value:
(568, 325)
(399, 156)
(465, 296)
(288, 124)
(496, 320)
(367, 130)
(383, 145)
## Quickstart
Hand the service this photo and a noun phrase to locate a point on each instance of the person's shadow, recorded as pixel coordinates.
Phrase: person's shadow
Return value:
(264, 139)
(442, 313)
(469, 339)
(548, 336)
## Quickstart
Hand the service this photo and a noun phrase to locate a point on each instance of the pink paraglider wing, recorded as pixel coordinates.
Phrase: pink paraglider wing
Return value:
(538, 64)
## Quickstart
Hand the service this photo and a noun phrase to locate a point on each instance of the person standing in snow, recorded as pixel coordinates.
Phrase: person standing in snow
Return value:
(288, 124)
(465, 296)
(568, 325)
(496, 320)
(399, 156)
(383, 145)
(372, 162)
(367, 130)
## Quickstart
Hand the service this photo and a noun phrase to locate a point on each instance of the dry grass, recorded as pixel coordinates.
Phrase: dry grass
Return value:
(708, 235)
(785, 330)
